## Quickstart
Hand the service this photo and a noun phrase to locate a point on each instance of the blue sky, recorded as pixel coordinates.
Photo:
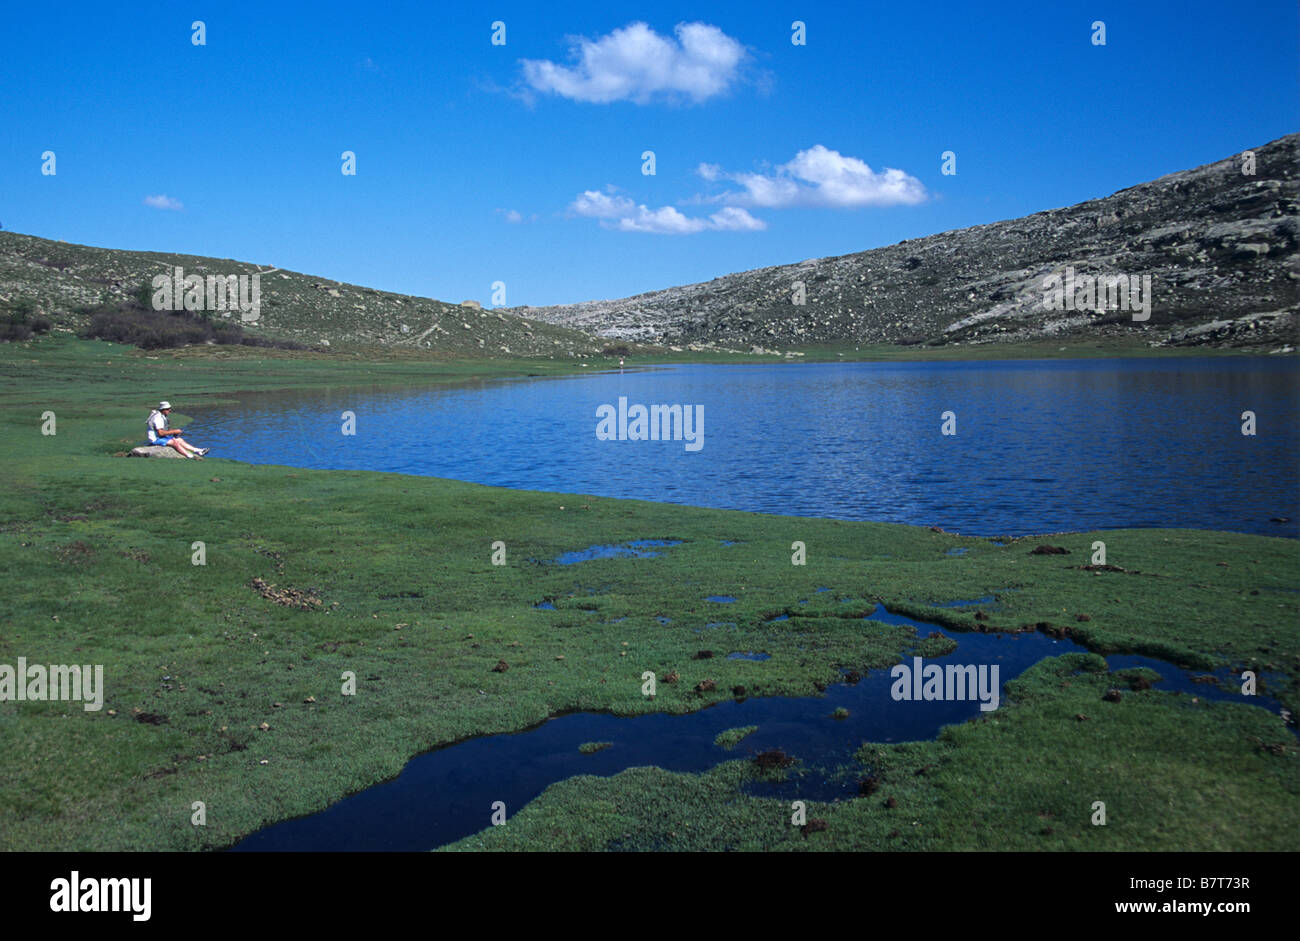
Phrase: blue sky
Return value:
(522, 163)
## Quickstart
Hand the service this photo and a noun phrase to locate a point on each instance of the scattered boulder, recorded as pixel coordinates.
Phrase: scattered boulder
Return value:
(1112, 695)
(155, 450)
(501, 667)
(1049, 550)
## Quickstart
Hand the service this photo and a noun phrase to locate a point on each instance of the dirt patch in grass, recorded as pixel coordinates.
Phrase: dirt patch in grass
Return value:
(75, 553)
(287, 597)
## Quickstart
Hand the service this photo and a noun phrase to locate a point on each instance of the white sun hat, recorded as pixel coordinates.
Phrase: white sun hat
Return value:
(163, 405)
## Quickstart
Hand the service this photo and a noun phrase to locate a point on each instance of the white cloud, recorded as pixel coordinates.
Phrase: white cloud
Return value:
(819, 177)
(737, 220)
(637, 64)
(162, 202)
(515, 217)
(624, 215)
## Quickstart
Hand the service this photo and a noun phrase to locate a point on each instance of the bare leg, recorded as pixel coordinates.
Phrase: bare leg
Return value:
(181, 447)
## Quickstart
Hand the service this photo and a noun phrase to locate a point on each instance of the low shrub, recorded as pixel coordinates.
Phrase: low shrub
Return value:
(134, 321)
(18, 320)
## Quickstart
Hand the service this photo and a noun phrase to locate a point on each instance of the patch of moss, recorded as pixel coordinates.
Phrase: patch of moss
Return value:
(731, 737)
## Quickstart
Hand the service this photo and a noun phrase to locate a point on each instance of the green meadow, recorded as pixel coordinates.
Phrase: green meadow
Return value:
(224, 682)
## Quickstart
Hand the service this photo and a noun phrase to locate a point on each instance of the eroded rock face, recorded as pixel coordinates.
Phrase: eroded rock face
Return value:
(1220, 247)
(154, 450)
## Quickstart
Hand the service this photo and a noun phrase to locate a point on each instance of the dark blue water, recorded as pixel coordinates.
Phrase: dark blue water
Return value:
(637, 549)
(1041, 446)
(447, 794)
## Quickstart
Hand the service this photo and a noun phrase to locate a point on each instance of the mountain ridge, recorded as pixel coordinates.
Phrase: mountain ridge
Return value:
(1221, 250)
(1198, 233)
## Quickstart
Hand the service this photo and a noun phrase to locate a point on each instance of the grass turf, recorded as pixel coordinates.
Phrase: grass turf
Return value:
(313, 574)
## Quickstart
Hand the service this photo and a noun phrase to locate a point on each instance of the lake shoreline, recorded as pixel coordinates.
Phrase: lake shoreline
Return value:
(410, 602)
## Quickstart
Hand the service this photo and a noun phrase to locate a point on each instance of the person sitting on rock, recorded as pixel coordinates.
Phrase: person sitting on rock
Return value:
(162, 436)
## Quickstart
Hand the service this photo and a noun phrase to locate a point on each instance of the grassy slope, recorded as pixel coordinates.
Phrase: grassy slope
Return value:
(61, 277)
(91, 539)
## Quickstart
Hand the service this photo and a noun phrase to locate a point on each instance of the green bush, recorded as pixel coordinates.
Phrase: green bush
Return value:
(18, 320)
(133, 321)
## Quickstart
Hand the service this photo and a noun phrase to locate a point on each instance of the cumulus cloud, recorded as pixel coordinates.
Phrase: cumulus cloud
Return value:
(819, 177)
(637, 64)
(624, 215)
(162, 202)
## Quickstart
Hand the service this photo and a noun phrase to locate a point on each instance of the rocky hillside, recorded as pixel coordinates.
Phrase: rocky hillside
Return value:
(1219, 245)
(60, 278)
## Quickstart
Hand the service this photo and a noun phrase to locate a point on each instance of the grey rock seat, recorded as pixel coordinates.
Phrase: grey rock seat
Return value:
(156, 450)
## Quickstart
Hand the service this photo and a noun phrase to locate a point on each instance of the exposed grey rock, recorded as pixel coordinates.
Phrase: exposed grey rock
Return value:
(1217, 244)
(154, 450)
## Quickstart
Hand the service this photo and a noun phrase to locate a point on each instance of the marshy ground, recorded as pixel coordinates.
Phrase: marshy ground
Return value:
(224, 680)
